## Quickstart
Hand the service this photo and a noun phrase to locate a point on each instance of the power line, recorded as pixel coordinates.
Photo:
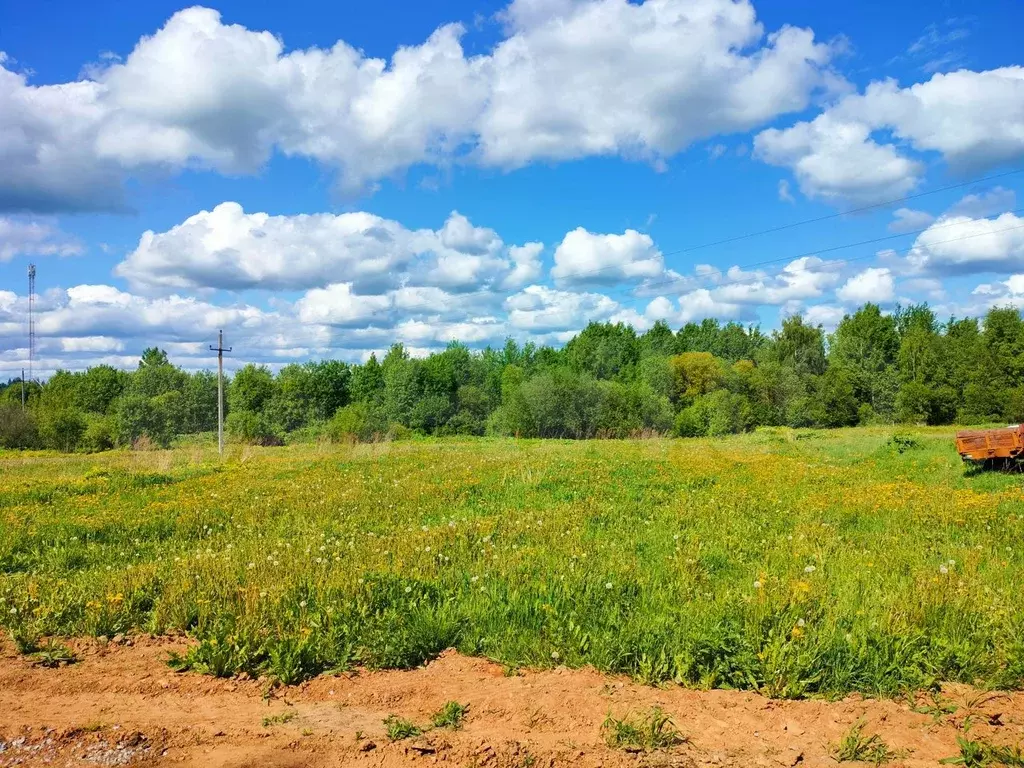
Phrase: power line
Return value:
(756, 277)
(845, 213)
(844, 246)
(827, 217)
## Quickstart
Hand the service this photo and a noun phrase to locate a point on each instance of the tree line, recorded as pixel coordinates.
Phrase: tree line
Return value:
(608, 381)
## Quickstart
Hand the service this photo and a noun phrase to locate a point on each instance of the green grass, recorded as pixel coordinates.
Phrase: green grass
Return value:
(652, 730)
(979, 754)
(795, 563)
(279, 719)
(398, 728)
(450, 715)
(53, 654)
(855, 746)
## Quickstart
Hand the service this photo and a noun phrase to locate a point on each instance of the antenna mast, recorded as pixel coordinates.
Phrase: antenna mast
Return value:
(31, 318)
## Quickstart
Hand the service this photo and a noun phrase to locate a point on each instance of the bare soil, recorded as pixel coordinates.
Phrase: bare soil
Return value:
(121, 705)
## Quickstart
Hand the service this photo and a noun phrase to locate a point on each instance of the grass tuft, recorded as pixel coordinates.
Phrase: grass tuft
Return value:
(981, 754)
(398, 728)
(651, 730)
(450, 715)
(279, 719)
(855, 746)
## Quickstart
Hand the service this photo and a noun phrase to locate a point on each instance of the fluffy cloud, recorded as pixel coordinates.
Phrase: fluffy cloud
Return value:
(586, 258)
(875, 284)
(91, 324)
(230, 249)
(1006, 293)
(984, 204)
(612, 77)
(570, 79)
(975, 120)
(697, 305)
(804, 278)
(539, 309)
(28, 237)
(909, 220)
(963, 245)
(825, 315)
(338, 305)
(837, 160)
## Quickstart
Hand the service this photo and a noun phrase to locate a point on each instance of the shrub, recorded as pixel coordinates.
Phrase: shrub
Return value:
(62, 429)
(18, 427)
(692, 421)
(349, 423)
(729, 413)
(98, 435)
(252, 428)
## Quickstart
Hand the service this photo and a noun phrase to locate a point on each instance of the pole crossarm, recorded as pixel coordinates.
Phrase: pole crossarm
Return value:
(220, 350)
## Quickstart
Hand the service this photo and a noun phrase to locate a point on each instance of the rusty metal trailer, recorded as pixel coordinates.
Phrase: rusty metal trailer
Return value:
(995, 446)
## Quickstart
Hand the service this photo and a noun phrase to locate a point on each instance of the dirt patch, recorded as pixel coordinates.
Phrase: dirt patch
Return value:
(122, 705)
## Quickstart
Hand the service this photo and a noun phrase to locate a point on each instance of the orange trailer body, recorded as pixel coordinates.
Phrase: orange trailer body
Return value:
(987, 444)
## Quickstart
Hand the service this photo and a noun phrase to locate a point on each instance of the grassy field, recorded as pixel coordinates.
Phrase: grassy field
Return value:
(792, 562)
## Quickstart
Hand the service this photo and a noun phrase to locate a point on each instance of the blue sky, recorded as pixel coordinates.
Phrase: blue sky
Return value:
(324, 179)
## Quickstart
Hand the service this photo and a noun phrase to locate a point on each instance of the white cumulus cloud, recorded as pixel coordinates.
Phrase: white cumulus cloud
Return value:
(964, 245)
(858, 148)
(587, 258)
(569, 80)
(874, 284)
(228, 248)
(29, 237)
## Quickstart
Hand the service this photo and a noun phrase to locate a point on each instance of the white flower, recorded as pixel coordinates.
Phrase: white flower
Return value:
(800, 622)
(608, 585)
(408, 590)
(757, 585)
(554, 655)
(810, 569)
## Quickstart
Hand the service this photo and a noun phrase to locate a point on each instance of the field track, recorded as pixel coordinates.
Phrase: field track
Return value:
(121, 705)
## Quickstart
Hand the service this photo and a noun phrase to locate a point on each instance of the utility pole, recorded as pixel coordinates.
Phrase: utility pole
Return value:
(31, 318)
(22, 387)
(220, 350)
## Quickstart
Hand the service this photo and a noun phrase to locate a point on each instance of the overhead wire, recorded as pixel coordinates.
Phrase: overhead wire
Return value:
(763, 276)
(844, 246)
(760, 276)
(827, 217)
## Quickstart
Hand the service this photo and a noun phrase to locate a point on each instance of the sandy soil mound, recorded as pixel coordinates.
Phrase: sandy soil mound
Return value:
(121, 705)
